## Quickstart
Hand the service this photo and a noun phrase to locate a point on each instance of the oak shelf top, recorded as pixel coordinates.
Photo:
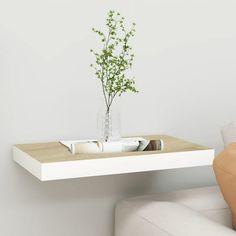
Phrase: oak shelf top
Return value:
(56, 152)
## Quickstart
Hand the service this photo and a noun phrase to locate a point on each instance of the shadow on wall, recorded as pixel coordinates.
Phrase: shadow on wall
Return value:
(171, 180)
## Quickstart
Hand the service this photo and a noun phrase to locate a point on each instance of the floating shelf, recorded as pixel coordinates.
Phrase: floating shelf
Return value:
(53, 161)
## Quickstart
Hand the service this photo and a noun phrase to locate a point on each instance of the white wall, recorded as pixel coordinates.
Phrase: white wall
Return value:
(185, 69)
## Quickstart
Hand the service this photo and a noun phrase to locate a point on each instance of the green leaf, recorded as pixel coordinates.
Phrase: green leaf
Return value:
(115, 57)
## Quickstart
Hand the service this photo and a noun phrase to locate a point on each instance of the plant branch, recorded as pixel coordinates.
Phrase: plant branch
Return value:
(115, 58)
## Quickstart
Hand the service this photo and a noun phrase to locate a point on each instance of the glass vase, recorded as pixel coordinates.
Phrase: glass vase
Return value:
(108, 125)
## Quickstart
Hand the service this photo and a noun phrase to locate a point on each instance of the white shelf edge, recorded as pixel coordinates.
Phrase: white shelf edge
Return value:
(110, 166)
(26, 161)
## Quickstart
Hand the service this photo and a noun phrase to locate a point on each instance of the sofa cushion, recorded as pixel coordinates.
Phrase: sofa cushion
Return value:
(201, 211)
(207, 201)
(225, 170)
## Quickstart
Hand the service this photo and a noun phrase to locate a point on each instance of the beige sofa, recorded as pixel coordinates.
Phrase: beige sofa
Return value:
(194, 212)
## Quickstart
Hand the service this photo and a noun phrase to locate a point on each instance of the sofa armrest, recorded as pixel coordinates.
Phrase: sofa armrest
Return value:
(164, 219)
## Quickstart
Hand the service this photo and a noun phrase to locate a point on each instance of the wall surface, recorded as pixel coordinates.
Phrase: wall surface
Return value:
(185, 71)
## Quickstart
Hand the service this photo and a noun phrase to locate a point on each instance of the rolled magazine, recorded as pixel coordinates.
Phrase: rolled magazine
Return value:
(137, 144)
